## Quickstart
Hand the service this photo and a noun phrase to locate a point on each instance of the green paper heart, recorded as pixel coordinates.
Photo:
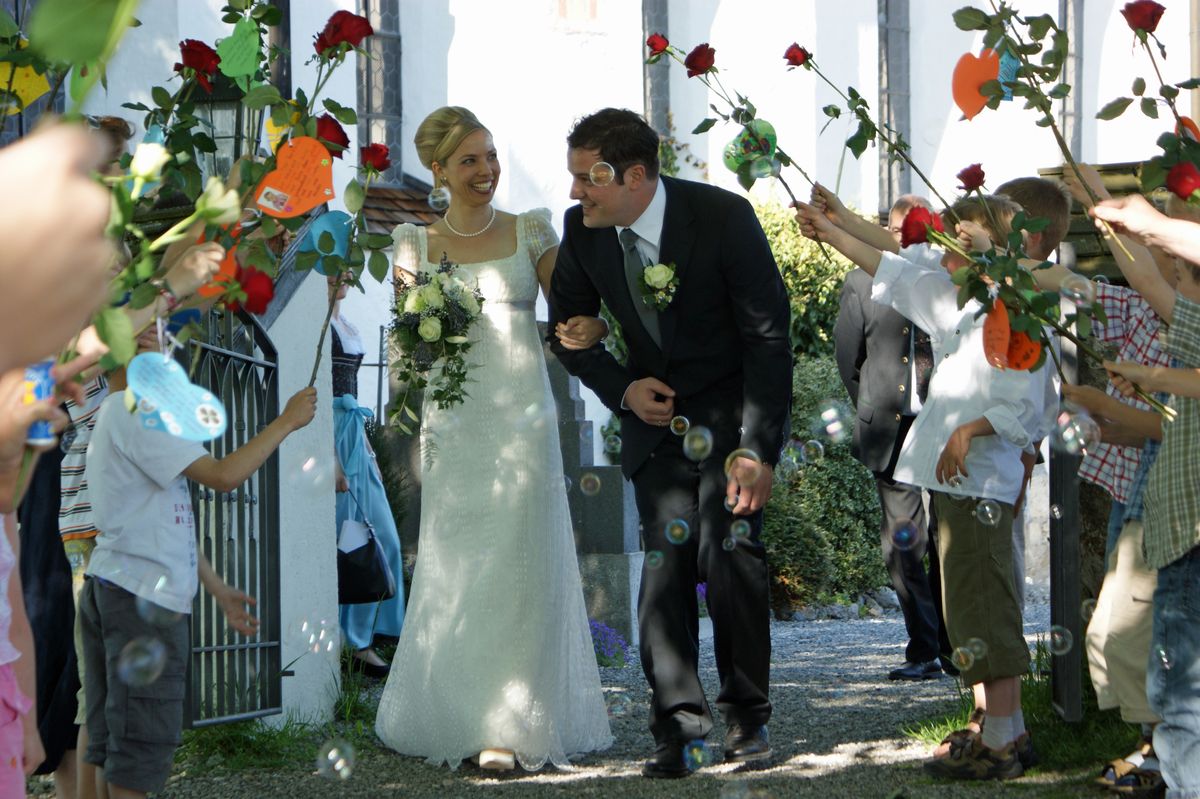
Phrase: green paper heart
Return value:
(239, 51)
(749, 146)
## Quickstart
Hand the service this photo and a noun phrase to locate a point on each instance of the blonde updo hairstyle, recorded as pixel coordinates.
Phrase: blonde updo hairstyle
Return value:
(441, 133)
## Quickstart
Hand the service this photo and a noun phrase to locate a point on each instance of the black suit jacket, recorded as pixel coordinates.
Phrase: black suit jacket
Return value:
(725, 348)
(871, 343)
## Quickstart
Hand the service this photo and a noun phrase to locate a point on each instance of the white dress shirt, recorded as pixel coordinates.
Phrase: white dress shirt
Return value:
(1020, 405)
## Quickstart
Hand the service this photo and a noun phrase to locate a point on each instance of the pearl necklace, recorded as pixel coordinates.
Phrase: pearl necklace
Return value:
(480, 232)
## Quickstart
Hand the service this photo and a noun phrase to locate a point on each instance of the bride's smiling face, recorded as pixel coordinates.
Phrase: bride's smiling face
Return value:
(473, 170)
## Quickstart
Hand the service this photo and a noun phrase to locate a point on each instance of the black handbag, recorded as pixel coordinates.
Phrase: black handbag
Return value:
(363, 573)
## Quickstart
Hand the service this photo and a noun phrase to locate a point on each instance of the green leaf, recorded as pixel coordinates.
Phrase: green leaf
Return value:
(306, 260)
(1150, 107)
(162, 97)
(704, 125)
(376, 241)
(1039, 26)
(262, 96)
(326, 243)
(1139, 87)
(1060, 91)
(1114, 109)
(143, 295)
(832, 111)
(744, 177)
(970, 19)
(1168, 91)
(354, 196)
(8, 25)
(1036, 224)
(75, 31)
(1083, 325)
(1153, 174)
(268, 15)
(347, 116)
(378, 266)
(1190, 83)
(115, 330)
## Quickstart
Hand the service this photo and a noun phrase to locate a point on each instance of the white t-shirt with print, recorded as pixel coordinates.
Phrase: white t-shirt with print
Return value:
(142, 507)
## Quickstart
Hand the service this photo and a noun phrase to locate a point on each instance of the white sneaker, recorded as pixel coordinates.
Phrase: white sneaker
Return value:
(497, 760)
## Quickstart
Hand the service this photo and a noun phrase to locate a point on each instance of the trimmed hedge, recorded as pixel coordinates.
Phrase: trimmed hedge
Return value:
(821, 527)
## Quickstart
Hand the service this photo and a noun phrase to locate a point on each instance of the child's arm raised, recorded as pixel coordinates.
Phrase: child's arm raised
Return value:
(817, 226)
(236, 467)
(826, 201)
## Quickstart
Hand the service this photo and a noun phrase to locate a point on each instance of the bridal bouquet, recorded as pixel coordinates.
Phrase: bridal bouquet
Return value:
(432, 318)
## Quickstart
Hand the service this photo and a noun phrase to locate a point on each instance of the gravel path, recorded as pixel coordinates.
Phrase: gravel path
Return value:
(835, 731)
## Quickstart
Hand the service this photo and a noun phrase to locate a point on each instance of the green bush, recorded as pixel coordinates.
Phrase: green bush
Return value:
(813, 283)
(821, 527)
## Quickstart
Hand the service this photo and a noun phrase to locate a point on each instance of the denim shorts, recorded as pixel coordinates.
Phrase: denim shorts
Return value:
(133, 728)
(1173, 676)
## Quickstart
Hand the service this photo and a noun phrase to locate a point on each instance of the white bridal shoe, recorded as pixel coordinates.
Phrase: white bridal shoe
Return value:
(497, 760)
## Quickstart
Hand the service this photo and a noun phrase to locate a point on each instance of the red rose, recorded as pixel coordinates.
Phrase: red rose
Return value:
(259, 288)
(796, 56)
(915, 228)
(1183, 179)
(331, 135)
(199, 57)
(1143, 15)
(375, 155)
(700, 60)
(343, 27)
(971, 177)
(657, 43)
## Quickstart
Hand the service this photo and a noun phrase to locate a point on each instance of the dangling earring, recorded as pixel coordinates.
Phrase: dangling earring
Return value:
(439, 198)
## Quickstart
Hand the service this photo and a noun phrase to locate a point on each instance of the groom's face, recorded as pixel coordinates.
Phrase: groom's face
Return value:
(603, 206)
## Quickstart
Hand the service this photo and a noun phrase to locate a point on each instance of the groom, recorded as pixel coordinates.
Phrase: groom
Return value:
(718, 354)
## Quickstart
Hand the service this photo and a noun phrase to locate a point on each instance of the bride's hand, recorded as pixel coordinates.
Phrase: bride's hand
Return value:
(581, 332)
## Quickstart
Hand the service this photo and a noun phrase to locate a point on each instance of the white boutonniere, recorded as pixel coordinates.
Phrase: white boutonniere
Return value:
(659, 285)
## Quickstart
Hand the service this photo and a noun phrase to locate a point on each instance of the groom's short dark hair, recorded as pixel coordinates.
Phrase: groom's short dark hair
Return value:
(622, 137)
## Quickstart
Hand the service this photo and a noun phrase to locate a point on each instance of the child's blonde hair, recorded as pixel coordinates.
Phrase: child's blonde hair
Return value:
(993, 213)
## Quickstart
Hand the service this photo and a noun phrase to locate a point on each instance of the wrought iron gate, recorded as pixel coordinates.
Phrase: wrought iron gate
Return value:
(231, 677)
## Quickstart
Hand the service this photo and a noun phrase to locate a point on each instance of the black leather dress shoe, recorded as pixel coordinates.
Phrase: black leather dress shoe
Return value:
(667, 763)
(929, 670)
(948, 665)
(745, 744)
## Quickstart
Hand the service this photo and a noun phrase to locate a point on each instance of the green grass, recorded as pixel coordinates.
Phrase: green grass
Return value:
(1079, 747)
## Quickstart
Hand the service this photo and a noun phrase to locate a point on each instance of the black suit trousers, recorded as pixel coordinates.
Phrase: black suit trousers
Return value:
(668, 486)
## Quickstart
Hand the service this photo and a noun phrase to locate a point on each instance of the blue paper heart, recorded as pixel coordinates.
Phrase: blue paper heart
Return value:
(336, 224)
(1008, 72)
(168, 401)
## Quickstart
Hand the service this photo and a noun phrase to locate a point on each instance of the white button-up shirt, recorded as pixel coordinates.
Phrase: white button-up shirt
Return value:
(1020, 405)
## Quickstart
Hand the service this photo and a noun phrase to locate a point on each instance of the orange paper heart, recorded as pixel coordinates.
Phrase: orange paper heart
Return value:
(1023, 352)
(970, 73)
(226, 274)
(302, 180)
(996, 336)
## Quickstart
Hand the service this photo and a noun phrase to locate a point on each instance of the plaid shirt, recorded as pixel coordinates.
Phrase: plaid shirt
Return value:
(1133, 328)
(1172, 499)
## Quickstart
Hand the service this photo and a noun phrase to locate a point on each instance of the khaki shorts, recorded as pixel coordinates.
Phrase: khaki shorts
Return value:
(979, 596)
(79, 555)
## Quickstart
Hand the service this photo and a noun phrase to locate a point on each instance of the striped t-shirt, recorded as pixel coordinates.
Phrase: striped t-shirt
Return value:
(75, 510)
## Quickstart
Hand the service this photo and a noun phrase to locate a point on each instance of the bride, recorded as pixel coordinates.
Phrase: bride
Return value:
(495, 659)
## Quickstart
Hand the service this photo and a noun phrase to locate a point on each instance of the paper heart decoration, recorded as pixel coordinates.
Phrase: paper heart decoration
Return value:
(275, 132)
(27, 86)
(301, 180)
(1004, 347)
(165, 394)
(971, 72)
(227, 272)
(239, 51)
(337, 224)
(1008, 72)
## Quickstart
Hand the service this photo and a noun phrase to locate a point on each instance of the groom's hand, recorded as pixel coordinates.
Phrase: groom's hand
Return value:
(652, 400)
(749, 486)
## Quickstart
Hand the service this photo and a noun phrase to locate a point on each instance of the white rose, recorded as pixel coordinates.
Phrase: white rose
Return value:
(658, 276)
(217, 205)
(148, 161)
(432, 295)
(413, 302)
(430, 329)
(471, 304)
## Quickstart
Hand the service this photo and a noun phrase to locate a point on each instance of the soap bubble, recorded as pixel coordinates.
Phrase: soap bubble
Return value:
(697, 443)
(153, 611)
(739, 529)
(1164, 657)
(835, 421)
(567, 483)
(654, 560)
(1075, 431)
(729, 544)
(589, 484)
(141, 661)
(696, 754)
(764, 167)
(1061, 640)
(977, 647)
(678, 531)
(680, 425)
(612, 445)
(906, 535)
(317, 473)
(1078, 289)
(962, 658)
(618, 705)
(750, 471)
(1087, 610)
(335, 760)
(1056, 512)
(316, 635)
(988, 512)
(439, 199)
(729, 503)
(813, 451)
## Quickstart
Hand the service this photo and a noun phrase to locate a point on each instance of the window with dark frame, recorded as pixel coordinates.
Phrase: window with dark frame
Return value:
(379, 101)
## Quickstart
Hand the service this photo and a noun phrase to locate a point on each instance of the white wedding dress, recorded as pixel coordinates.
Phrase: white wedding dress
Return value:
(496, 651)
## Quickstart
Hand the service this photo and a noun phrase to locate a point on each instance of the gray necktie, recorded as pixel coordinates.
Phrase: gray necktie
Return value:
(634, 264)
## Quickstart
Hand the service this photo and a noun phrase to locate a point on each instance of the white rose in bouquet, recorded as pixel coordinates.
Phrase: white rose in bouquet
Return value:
(470, 303)
(413, 303)
(430, 329)
(432, 295)
(658, 276)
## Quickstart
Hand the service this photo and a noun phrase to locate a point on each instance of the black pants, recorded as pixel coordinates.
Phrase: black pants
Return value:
(919, 592)
(668, 487)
